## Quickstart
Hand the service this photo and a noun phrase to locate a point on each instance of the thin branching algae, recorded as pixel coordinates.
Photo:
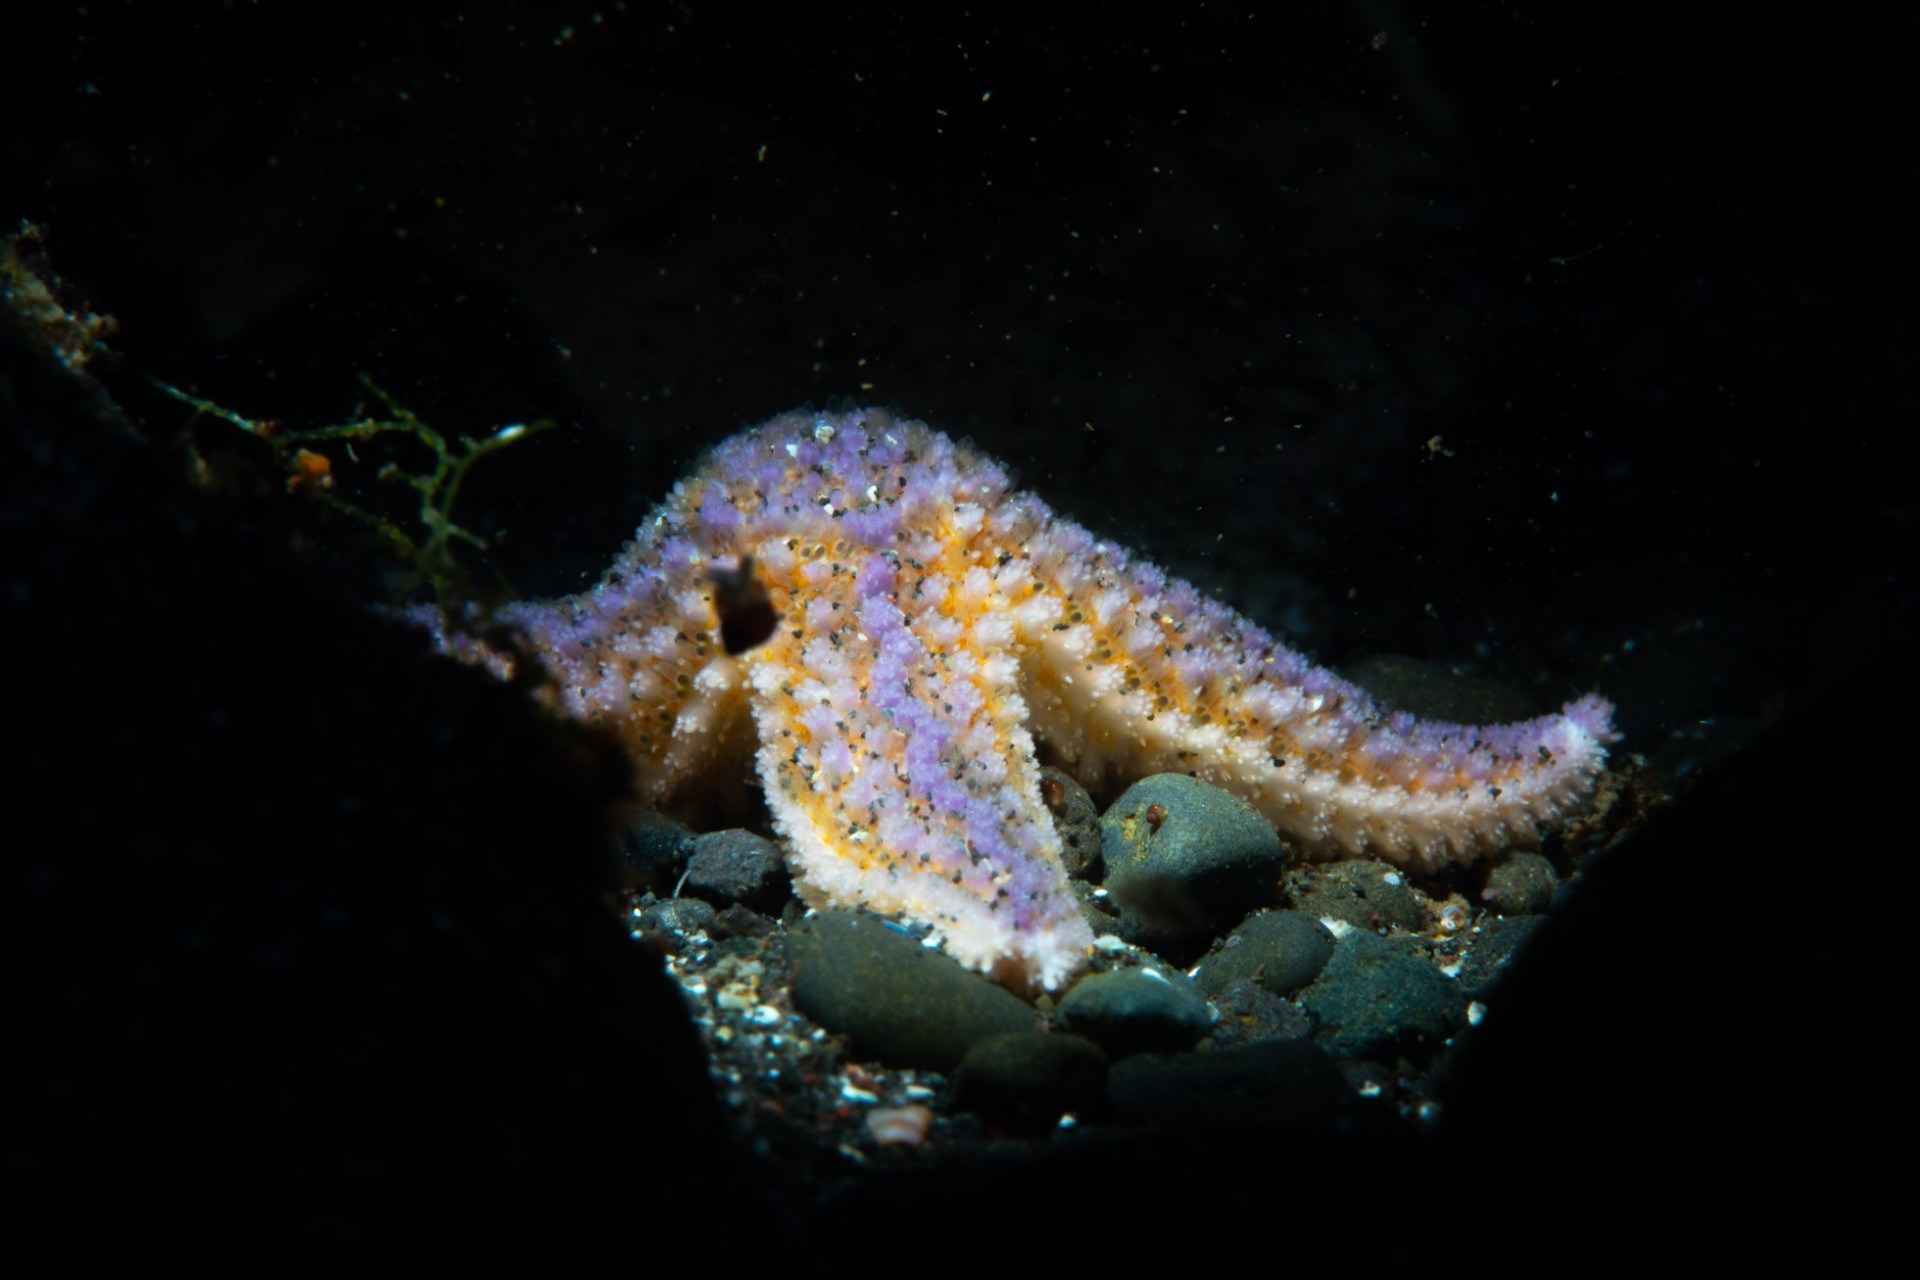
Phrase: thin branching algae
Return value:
(428, 554)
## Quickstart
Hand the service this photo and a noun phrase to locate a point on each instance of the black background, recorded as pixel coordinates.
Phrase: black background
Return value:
(1211, 280)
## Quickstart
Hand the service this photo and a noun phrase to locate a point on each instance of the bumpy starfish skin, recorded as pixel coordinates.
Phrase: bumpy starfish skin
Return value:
(931, 622)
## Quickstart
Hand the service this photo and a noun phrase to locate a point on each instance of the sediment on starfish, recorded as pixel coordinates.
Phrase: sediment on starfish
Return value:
(927, 621)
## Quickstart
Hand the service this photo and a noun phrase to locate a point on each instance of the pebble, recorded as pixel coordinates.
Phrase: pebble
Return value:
(1379, 997)
(650, 850)
(1077, 820)
(1137, 1010)
(1282, 951)
(1027, 1080)
(1495, 943)
(1520, 885)
(735, 866)
(892, 998)
(1249, 1013)
(1366, 894)
(900, 1126)
(737, 921)
(1185, 860)
(682, 917)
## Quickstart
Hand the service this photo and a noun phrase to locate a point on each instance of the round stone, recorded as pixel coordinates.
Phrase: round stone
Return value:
(1139, 1010)
(1282, 951)
(895, 1000)
(1379, 997)
(1027, 1080)
(1522, 884)
(1185, 860)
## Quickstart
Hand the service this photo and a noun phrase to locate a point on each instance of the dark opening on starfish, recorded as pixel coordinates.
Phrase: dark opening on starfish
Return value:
(747, 615)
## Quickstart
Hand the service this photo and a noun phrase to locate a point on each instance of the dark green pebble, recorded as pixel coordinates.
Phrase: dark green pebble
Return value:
(735, 866)
(893, 999)
(1027, 1080)
(737, 921)
(1363, 893)
(1379, 997)
(650, 850)
(682, 917)
(1185, 860)
(1249, 1013)
(1521, 885)
(1077, 820)
(1494, 943)
(1281, 950)
(1136, 1011)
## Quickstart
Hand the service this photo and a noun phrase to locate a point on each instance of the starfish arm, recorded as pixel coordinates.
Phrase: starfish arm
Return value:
(1343, 780)
(898, 765)
(1138, 673)
(636, 655)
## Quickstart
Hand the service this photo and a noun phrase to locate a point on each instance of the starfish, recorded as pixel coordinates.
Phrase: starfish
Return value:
(895, 624)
